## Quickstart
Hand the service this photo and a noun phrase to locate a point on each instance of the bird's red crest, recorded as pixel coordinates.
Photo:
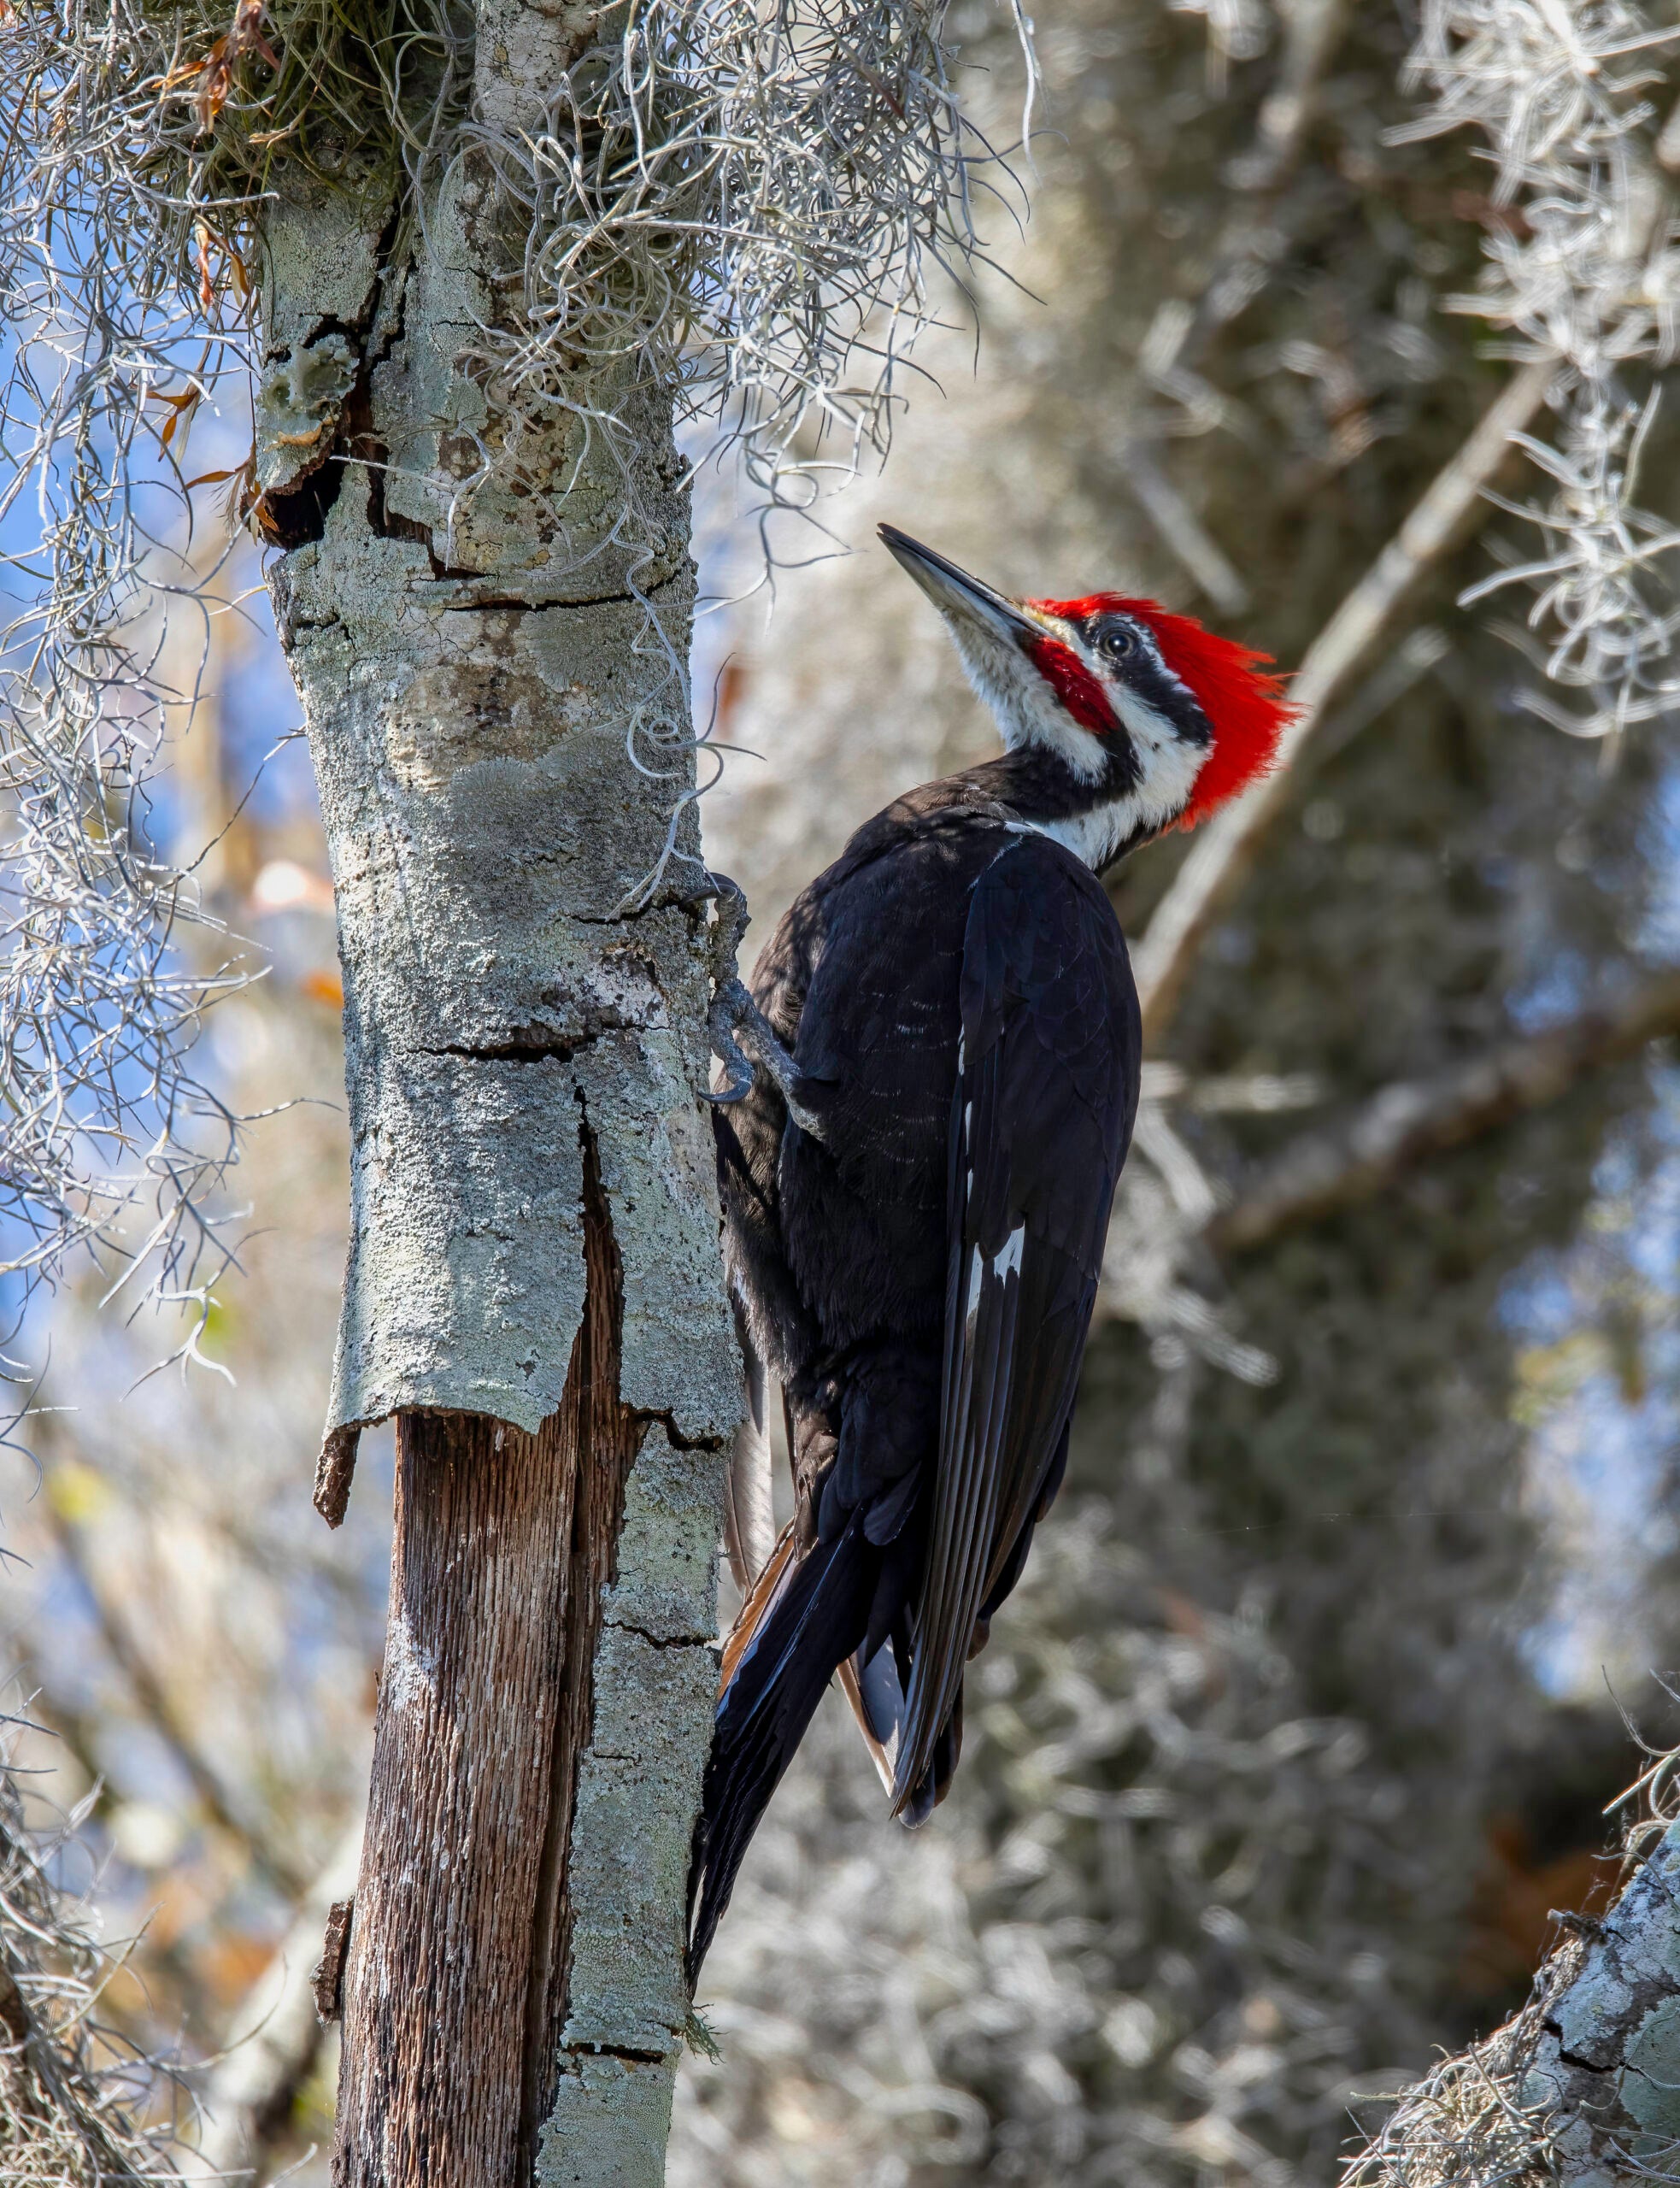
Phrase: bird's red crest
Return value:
(1231, 684)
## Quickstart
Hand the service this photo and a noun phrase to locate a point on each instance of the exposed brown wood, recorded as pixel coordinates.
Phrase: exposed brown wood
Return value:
(454, 1984)
(335, 1471)
(326, 1978)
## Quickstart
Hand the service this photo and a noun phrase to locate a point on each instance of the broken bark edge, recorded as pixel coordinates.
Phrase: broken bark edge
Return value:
(326, 1978)
(335, 1471)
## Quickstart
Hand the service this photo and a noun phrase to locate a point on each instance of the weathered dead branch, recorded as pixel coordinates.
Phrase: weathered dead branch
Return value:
(1354, 1158)
(1223, 849)
(274, 2032)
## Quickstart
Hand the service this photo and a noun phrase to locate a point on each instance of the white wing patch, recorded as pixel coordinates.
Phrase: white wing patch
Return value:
(1006, 1264)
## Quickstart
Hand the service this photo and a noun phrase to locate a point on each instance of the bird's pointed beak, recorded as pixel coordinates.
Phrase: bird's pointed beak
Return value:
(958, 596)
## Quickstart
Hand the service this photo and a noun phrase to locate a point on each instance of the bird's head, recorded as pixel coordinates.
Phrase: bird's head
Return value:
(1127, 720)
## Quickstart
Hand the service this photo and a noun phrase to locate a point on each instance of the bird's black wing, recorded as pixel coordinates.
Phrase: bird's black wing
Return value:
(1047, 1090)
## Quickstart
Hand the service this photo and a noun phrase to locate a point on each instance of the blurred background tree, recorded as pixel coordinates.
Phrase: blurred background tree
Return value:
(1305, 1714)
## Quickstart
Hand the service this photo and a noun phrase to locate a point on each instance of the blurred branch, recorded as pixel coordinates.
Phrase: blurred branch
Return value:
(1346, 1162)
(250, 2097)
(1253, 239)
(158, 1706)
(1251, 242)
(265, 1548)
(1222, 850)
(1181, 530)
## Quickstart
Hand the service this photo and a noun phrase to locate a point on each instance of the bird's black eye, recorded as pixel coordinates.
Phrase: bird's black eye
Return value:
(1117, 643)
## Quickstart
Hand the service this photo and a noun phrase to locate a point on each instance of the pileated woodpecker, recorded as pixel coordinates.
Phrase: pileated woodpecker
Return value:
(916, 1183)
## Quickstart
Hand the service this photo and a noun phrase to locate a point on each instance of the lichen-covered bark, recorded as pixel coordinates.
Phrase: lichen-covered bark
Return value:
(1605, 2074)
(485, 822)
(476, 636)
(655, 1675)
(1582, 2089)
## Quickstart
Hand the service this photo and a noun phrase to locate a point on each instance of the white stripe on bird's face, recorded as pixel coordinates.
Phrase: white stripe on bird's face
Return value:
(1028, 710)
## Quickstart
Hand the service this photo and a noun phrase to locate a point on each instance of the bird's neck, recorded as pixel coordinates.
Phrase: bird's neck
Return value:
(1098, 822)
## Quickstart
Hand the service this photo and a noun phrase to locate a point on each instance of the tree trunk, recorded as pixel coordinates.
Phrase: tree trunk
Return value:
(502, 1568)
(534, 1287)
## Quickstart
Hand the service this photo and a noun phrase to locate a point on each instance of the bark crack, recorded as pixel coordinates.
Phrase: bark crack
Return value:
(516, 604)
(608, 1438)
(521, 604)
(1574, 2058)
(505, 1549)
(662, 1641)
(674, 1435)
(663, 900)
(514, 1051)
(616, 2051)
(293, 517)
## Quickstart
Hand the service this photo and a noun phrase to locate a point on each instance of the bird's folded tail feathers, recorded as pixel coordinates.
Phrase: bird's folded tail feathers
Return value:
(876, 1693)
(878, 1703)
(802, 1620)
(751, 1616)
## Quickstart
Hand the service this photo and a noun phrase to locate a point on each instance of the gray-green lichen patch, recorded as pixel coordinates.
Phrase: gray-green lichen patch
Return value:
(526, 500)
(657, 1169)
(320, 263)
(1650, 2083)
(460, 1274)
(667, 1586)
(609, 2125)
(1631, 1966)
(630, 1832)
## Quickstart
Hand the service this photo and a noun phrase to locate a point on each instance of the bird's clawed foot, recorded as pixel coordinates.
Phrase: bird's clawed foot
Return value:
(741, 1037)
